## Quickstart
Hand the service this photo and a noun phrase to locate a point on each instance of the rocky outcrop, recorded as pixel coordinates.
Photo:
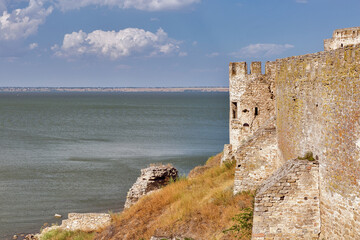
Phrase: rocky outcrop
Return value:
(152, 178)
(86, 222)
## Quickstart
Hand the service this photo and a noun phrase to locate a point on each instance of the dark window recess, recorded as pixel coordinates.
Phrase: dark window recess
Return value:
(342, 45)
(246, 125)
(245, 111)
(282, 198)
(234, 110)
(256, 111)
(233, 71)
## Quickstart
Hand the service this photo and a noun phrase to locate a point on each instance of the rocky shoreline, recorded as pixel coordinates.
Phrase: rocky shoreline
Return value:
(150, 180)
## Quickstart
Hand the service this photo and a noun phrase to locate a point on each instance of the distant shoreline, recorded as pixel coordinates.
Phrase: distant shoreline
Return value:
(112, 89)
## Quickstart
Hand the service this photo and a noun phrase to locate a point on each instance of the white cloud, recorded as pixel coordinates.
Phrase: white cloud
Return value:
(115, 45)
(261, 50)
(33, 46)
(183, 54)
(21, 23)
(146, 5)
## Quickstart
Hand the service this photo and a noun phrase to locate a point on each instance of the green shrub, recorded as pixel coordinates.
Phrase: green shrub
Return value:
(308, 156)
(243, 224)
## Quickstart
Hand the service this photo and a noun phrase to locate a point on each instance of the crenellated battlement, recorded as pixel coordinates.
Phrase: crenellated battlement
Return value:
(237, 69)
(251, 99)
(342, 37)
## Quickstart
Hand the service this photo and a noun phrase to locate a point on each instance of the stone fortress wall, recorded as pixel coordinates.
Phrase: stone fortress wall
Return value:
(302, 104)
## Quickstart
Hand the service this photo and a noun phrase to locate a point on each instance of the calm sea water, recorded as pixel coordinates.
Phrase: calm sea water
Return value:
(62, 153)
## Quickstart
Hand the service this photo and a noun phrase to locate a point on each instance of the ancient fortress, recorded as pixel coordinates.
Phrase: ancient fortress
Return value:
(295, 135)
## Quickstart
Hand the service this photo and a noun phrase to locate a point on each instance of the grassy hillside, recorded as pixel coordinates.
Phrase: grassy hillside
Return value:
(199, 207)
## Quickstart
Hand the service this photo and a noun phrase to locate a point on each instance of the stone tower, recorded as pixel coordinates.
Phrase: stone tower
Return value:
(342, 38)
(251, 100)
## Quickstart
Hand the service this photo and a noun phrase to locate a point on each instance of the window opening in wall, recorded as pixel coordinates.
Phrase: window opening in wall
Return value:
(246, 125)
(342, 45)
(234, 110)
(233, 71)
(245, 111)
(256, 111)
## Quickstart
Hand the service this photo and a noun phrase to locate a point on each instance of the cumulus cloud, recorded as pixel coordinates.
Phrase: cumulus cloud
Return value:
(21, 23)
(115, 45)
(146, 5)
(261, 50)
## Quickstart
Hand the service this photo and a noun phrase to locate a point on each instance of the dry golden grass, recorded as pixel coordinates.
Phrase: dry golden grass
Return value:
(200, 208)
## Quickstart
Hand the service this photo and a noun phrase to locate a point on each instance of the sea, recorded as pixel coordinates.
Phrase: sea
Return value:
(81, 152)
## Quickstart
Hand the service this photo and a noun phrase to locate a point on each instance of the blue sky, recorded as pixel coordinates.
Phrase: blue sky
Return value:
(156, 43)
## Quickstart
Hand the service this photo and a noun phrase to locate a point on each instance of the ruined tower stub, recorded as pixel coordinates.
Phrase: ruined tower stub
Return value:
(251, 100)
(342, 38)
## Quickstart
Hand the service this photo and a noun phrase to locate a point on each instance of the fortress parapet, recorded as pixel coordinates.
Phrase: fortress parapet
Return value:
(303, 157)
(251, 100)
(342, 37)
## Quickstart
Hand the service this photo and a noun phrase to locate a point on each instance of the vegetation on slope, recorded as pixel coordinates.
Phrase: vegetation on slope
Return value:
(67, 235)
(199, 207)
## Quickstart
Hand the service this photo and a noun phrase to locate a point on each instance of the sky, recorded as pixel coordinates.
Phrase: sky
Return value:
(156, 43)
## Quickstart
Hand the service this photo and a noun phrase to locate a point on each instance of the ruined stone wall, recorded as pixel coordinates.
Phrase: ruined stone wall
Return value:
(251, 100)
(256, 159)
(342, 38)
(318, 110)
(287, 203)
(252, 130)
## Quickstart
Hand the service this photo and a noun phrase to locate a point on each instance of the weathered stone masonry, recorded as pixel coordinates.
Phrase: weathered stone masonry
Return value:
(314, 100)
(287, 203)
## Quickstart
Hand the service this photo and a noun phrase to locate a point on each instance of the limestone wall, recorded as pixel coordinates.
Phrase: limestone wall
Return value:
(256, 159)
(251, 100)
(318, 110)
(342, 38)
(287, 203)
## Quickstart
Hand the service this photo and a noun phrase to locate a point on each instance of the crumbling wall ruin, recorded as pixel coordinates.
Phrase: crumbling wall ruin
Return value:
(287, 203)
(256, 159)
(342, 38)
(251, 100)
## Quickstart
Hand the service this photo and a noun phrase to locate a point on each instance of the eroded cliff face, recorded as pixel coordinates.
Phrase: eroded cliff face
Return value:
(151, 179)
(316, 99)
